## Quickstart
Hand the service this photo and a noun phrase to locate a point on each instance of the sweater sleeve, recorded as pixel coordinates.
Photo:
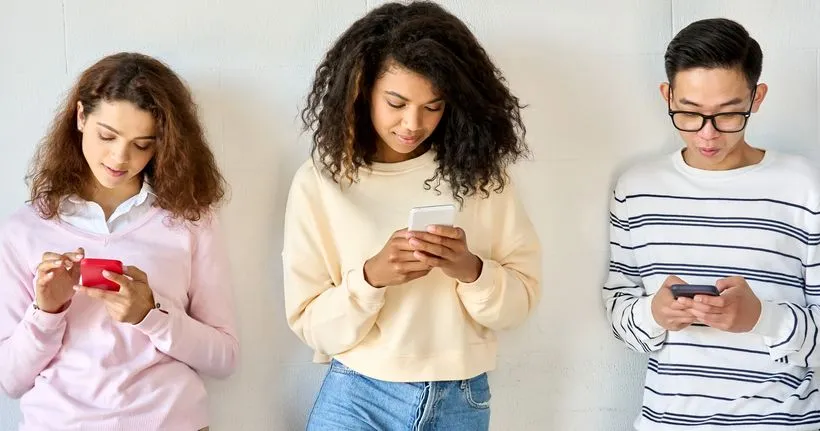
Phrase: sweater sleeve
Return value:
(508, 288)
(790, 330)
(205, 336)
(331, 312)
(628, 307)
(29, 338)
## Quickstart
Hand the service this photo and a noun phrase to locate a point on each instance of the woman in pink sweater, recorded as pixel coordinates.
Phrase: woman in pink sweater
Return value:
(124, 173)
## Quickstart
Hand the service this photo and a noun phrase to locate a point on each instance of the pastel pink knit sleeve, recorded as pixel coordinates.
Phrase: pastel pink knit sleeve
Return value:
(29, 338)
(204, 337)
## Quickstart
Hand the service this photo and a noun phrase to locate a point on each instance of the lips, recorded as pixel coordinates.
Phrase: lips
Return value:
(709, 152)
(408, 140)
(114, 172)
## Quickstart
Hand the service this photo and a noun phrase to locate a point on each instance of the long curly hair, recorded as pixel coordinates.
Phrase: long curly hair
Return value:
(183, 171)
(480, 132)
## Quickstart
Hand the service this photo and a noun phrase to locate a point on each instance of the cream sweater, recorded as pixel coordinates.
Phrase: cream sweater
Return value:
(430, 329)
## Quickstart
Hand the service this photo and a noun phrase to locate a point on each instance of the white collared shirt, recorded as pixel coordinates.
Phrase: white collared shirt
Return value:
(90, 217)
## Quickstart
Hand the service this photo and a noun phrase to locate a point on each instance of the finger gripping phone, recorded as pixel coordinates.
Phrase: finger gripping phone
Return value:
(421, 217)
(690, 290)
(91, 273)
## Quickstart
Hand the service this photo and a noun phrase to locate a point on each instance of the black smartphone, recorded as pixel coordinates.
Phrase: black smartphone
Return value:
(690, 290)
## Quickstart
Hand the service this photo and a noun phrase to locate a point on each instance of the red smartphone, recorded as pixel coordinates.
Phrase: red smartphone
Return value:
(91, 273)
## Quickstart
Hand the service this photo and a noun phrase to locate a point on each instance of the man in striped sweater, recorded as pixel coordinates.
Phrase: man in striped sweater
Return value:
(719, 212)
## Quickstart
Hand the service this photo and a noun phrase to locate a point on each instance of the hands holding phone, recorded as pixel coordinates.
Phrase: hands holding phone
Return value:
(735, 309)
(668, 311)
(445, 247)
(56, 276)
(395, 263)
(132, 302)
(128, 298)
(410, 255)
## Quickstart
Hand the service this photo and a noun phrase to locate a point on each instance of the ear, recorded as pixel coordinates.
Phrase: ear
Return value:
(664, 89)
(80, 116)
(760, 94)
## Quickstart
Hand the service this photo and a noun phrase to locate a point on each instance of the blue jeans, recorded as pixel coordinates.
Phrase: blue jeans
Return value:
(351, 401)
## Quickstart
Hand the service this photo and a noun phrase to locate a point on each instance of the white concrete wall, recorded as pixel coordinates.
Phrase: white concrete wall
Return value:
(589, 70)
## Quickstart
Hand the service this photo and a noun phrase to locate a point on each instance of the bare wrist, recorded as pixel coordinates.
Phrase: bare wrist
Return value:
(52, 310)
(367, 276)
(477, 266)
(151, 304)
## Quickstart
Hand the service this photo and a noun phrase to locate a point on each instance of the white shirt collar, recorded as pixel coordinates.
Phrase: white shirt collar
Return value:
(137, 199)
(89, 215)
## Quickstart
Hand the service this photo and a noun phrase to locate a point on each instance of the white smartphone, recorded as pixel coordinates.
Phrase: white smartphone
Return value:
(421, 217)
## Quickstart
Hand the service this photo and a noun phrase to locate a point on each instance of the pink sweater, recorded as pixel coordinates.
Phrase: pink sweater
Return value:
(82, 370)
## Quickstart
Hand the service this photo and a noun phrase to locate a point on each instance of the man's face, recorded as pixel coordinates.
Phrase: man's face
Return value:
(709, 92)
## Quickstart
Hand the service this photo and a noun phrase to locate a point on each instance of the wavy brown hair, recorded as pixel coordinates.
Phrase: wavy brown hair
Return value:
(183, 171)
(480, 132)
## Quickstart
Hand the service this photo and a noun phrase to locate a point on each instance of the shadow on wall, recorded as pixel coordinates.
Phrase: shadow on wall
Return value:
(252, 129)
(588, 117)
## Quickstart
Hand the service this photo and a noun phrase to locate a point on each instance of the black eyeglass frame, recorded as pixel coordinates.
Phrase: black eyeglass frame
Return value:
(712, 117)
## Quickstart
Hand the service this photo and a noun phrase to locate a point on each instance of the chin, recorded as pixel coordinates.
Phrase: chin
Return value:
(110, 183)
(405, 149)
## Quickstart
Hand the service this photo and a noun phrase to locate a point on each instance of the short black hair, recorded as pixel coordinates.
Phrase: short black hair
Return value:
(714, 43)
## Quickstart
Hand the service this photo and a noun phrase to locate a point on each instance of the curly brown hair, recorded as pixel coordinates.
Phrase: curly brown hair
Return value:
(183, 172)
(480, 132)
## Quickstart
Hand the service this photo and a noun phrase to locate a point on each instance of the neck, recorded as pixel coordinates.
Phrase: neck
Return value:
(110, 199)
(385, 154)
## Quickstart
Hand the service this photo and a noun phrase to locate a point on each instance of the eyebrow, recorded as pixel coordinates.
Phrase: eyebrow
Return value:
(393, 93)
(118, 132)
(735, 101)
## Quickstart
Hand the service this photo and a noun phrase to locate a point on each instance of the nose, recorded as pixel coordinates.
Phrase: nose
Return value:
(708, 132)
(119, 153)
(412, 120)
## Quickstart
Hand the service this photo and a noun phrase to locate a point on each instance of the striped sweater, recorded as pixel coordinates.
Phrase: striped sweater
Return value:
(761, 222)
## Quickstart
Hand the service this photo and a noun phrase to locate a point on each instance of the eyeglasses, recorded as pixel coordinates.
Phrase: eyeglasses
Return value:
(724, 122)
